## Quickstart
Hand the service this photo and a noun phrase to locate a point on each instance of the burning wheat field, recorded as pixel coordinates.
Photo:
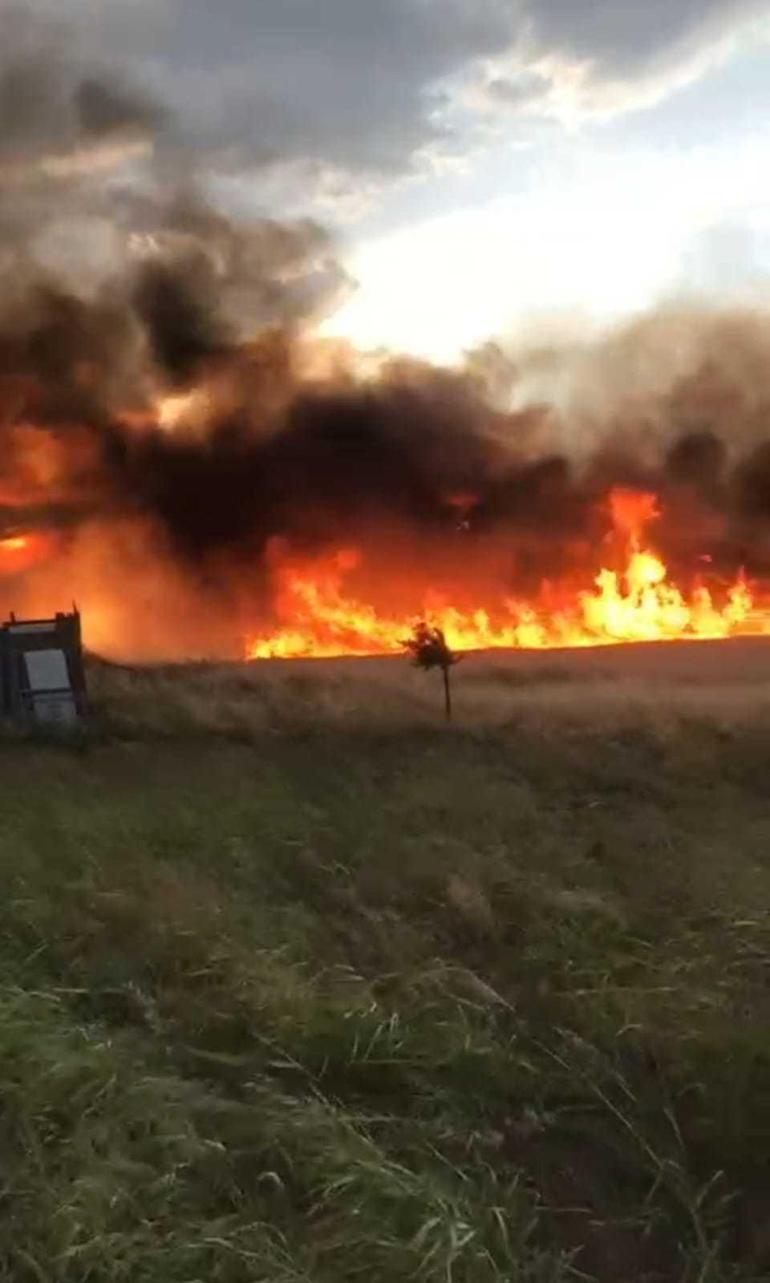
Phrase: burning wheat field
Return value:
(202, 495)
(208, 478)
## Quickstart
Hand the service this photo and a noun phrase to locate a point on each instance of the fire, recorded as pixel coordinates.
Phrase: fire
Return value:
(631, 511)
(318, 617)
(175, 412)
(20, 553)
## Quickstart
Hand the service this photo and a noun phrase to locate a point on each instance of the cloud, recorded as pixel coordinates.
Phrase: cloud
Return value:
(624, 39)
(336, 98)
(377, 86)
(348, 93)
(345, 95)
(97, 189)
(578, 59)
(55, 111)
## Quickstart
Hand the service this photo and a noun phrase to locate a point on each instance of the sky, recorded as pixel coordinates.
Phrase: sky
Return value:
(487, 167)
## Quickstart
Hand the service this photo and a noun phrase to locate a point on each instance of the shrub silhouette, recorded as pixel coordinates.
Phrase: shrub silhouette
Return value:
(429, 649)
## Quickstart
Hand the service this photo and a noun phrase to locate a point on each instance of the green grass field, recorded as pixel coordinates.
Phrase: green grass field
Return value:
(302, 984)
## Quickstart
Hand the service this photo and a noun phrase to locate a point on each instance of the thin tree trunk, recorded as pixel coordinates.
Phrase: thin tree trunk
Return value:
(447, 694)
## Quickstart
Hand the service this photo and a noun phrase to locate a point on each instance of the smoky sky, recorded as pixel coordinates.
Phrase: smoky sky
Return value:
(370, 87)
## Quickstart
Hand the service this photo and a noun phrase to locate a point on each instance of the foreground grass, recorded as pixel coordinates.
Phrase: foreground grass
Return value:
(300, 985)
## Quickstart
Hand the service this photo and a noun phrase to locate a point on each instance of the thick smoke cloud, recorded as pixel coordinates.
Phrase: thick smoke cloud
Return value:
(318, 462)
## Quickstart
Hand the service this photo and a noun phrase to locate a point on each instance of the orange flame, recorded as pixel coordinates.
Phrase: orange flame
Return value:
(318, 618)
(19, 553)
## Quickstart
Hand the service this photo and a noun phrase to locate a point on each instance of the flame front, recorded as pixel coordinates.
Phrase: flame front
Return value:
(317, 617)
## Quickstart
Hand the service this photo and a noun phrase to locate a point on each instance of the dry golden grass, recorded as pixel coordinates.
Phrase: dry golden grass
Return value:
(725, 683)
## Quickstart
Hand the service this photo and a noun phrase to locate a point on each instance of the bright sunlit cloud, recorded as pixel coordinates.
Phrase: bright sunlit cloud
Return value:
(604, 243)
